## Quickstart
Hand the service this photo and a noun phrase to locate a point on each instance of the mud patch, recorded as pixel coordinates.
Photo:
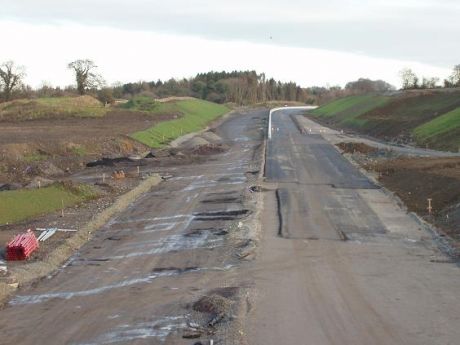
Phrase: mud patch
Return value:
(351, 147)
(176, 269)
(109, 162)
(224, 200)
(218, 305)
(209, 149)
(213, 231)
(221, 215)
(258, 189)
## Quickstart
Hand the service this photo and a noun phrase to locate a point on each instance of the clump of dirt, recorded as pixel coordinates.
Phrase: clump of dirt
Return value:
(209, 149)
(351, 147)
(219, 304)
(214, 304)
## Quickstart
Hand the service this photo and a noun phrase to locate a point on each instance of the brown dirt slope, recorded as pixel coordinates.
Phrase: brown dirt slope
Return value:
(415, 180)
(407, 111)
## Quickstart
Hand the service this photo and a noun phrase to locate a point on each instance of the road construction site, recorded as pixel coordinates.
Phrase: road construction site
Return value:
(249, 241)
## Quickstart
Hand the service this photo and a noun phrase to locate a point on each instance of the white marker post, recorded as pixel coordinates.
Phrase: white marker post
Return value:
(430, 208)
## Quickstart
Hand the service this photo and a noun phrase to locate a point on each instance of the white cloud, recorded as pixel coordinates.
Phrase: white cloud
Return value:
(125, 55)
(422, 30)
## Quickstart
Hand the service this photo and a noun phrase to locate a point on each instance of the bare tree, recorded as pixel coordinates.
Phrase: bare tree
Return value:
(455, 76)
(429, 83)
(11, 77)
(409, 79)
(85, 75)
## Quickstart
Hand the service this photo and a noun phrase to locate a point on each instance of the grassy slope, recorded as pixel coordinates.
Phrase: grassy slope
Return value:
(193, 115)
(346, 111)
(416, 113)
(406, 112)
(443, 131)
(23, 204)
(51, 107)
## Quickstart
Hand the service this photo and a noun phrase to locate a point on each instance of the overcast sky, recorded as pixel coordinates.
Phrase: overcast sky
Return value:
(310, 42)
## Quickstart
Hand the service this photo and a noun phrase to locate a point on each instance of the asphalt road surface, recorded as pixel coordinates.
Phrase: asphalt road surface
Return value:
(134, 282)
(340, 262)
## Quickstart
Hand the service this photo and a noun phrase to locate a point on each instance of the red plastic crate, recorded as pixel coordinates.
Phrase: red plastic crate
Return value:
(21, 246)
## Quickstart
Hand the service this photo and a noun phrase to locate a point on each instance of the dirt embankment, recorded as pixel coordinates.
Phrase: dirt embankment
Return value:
(54, 147)
(356, 148)
(415, 180)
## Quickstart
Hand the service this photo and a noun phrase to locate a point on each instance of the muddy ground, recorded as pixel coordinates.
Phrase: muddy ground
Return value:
(164, 270)
(58, 147)
(415, 180)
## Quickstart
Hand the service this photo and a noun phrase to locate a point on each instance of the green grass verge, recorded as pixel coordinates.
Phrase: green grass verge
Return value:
(51, 107)
(19, 205)
(437, 131)
(194, 115)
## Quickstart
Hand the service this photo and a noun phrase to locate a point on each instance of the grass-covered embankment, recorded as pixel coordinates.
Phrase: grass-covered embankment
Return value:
(192, 115)
(442, 132)
(347, 111)
(50, 108)
(19, 205)
(429, 117)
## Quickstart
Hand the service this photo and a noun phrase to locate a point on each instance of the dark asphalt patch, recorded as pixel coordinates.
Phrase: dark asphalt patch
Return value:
(222, 200)
(221, 215)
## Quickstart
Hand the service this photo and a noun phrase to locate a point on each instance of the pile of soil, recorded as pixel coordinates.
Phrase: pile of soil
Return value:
(351, 147)
(209, 149)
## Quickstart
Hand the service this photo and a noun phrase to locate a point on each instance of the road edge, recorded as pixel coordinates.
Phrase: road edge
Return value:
(37, 270)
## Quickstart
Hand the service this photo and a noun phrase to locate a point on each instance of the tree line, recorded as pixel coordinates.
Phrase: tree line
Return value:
(239, 87)
(410, 80)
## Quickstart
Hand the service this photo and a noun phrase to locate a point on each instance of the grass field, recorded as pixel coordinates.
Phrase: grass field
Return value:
(51, 107)
(193, 115)
(19, 205)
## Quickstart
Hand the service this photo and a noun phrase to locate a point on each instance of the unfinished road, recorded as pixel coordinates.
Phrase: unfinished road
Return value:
(335, 261)
(340, 262)
(139, 279)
